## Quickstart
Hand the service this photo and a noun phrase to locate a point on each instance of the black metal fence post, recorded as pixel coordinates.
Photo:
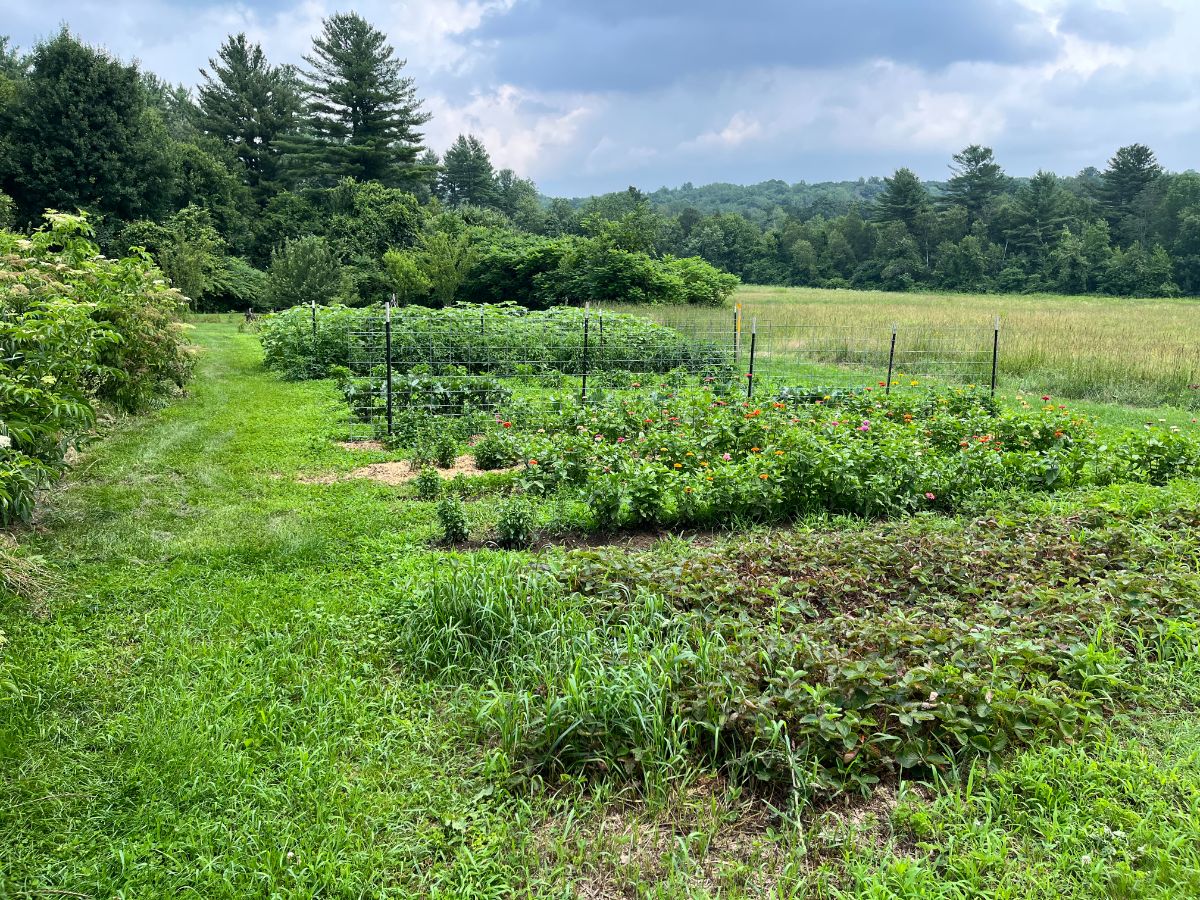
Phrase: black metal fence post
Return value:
(583, 390)
(891, 362)
(387, 361)
(753, 343)
(995, 351)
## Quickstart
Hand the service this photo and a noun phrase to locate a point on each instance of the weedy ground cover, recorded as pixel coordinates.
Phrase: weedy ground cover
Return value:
(249, 684)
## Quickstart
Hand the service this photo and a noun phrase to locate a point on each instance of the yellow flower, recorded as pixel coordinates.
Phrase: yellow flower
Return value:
(679, 465)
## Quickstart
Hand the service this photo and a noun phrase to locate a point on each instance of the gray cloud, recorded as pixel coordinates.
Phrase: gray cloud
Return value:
(587, 97)
(636, 46)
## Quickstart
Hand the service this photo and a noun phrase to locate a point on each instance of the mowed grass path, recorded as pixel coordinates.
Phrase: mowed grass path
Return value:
(203, 708)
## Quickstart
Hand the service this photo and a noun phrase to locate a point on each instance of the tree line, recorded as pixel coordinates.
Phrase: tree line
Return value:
(1130, 229)
(272, 184)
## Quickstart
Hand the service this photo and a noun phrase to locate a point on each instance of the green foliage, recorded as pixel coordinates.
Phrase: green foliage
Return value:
(467, 176)
(428, 483)
(249, 105)
(498, 341)
(80, 135)
(691, 457)
(304, 271)
(445, 260)
(294, 349)
(453, 516)
(516, 524)
(406, 278)
(789, 662)
(238, 285)
(495, 451)
(77, 330)
(362, 115)
(445, 449)
(187, 248)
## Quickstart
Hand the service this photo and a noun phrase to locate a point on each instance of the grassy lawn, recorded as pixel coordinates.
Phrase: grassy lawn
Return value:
(211, 703)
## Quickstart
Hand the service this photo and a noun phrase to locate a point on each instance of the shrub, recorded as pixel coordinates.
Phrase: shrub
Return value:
(303, 271)
(453, 516)
(515, 525)
(76, 330)
(429, 483)
(445, 450)
(495, 451)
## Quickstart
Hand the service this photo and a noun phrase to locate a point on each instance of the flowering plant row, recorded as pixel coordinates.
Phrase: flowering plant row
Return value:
(694, 457)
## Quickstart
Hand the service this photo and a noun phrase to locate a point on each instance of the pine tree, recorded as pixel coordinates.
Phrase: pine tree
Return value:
(903, 199)
(250, 106)
(977, 179)
(1129, 172)
(362, 114)
(467, 174)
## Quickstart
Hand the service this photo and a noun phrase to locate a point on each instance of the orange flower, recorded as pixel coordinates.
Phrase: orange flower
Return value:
(754, 449)
(763, 476)
(533, 462)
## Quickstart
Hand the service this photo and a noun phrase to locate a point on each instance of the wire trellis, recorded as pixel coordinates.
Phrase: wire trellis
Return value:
(457, 365)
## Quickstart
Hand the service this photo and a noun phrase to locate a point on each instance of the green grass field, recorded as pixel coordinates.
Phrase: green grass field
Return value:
(1107, 349)
(209, 703)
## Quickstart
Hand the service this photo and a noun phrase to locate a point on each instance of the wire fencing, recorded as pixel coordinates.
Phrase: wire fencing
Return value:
(405, 363)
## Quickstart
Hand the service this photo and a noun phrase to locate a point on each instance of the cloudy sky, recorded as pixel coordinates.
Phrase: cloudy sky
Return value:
(593, 96)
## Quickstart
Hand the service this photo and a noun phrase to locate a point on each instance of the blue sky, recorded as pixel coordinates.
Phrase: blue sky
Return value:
(589, 97)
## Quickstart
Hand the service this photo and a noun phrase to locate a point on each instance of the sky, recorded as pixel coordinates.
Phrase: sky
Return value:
(588, 97)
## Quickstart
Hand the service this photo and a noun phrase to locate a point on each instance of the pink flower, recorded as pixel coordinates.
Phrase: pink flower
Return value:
(599, 437)
(726, 457)
(620, 440)
(929, 495)
(865, 426)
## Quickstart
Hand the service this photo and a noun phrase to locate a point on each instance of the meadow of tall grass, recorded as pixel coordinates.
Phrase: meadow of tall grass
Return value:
(1141, 352)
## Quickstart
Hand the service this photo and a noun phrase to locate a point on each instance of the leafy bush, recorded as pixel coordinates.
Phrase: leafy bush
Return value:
(495, 451)
(515, 525)
(429, 483)
(453, 517)
(76, 330)
(292, 348)
(304, 271)
(445, 450)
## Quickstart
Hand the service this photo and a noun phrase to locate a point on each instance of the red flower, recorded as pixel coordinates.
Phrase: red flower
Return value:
(507, 424)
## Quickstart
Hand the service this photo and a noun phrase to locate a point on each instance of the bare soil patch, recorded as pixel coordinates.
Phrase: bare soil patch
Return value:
(397, 472)
(361, 445)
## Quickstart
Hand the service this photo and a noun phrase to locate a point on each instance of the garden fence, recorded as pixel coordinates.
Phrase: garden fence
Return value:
(465, 362)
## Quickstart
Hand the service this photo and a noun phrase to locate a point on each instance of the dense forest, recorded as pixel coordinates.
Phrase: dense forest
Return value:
(270, 184)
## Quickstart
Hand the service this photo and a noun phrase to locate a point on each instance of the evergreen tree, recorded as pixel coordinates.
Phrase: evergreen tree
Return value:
(467, 175)
(1039, 213)
(977, 179)
(1129, 172)
(362, 114)
(250, 106)
(80, 135)
(903, 199)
